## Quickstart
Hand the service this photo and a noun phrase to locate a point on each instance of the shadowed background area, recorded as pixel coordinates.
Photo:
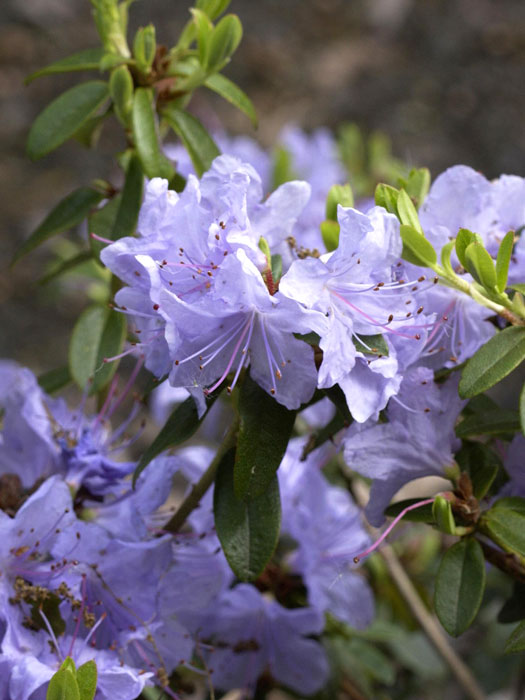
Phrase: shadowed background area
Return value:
(443, 80)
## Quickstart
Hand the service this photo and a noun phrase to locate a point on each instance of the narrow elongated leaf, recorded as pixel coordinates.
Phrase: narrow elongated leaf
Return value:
(506, 526)
(69, 212)
(423, 514)
(338, 194)
(199, 144)
(460, 584)
(443, 517)
(101, 223)
(493, 361)
(386, 196)
(55, 379)
(416, 249)
(264, 432)
(130, 201)
(503, 260)
(154, 162)
(180, 426)
(515, 503)
(446, 252)
(491, 423)
(224, 41)
(417, 185)
(63, 686)
(330, 231)
(516, 642)
(480, 265)
(248, 530)
(408, 212)
(463, 240)
(87, 680)
(64, 116)
(99, 333)
(513, 609)
(233, 94)
(481, 464)
(88, 59)
(66, 266)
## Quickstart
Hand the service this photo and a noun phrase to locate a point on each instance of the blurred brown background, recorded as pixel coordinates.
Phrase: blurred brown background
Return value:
(445, 80)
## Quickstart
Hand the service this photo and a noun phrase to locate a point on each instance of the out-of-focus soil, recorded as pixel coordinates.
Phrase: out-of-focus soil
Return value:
(445, 80)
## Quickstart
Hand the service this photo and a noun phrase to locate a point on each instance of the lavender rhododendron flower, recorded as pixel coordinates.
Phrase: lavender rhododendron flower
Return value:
(418, 439)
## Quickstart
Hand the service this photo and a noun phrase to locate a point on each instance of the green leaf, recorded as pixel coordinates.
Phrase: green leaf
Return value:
(264, 432)
(68, 665)
(83, 60)
(338, 194)
(282, 167)
(144, 48)
(495, 422)
(204, 31)
(224, 41)
(330, 232)
(387, 196)
(416, 249)
(98, 333)
(446, 252)
(513, 609)
(518, 288)
(233, 94)
(516, 642)
(63, 686)
(418, 515)
(276, 267)
(442, 514)
(480, 265)
(481, 464)
(66, 265)
(55, 379)
(407, 212)
(371, 345)
(463, 240)
(493, 361)
(248, 530)
(154, 162)
(213, 8)
(522, 409)
(69, 212)
(128, 210)
(182, 423)
(121, 93)
(503, 260)
(199, 144)
(506, 527)
(417, 185)
(460, 584)
(60, 119)
(87, 680)
(514, 503)
(101, 223)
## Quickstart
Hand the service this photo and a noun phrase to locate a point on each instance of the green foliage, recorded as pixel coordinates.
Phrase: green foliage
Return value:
(233, 94)
(371, 344)
(416, 185)
(330, 232)
(143, 123)
(407, 212)
(61, 119)
(516, 641)
(481, 464)
(424, 514)
(496, 422)
(460, 584)
(127, 213)
(223, 42)
(442, 515)
(480, 265)
(503, 260)
(121, 93)
(522, 409)
(70, 683)
(386, 196)
(416, 249)
(248, 530)
(504, 523)
(68, 213)
(87, 680)
(63, 686)
(197, 141)
(99, 333)
(144, 48)
(55, 379)
(493, 361)
(463, 240)
(338, 194)
(88, 59)
(265, 428)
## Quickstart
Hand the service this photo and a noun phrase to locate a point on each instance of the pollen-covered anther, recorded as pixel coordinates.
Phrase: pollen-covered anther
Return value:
(390, 318)
(156, 307)
(421, 279)
(435, 280)
(420, 310)
(453, 358)
(272, 392)
(278, 374)
(417, 336)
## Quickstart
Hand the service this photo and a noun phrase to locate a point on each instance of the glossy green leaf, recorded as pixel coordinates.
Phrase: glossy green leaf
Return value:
(407, 212)
(463, 240)
(522, 409)
(495, 422)
(128, 210)
(513, 609)
(446, 252)
(338, 194)
(60, 119)
(88, 59)
(87, 680)
(224, 41)
(480, 265)
(233, 94)
(63, 686)
(101, 223)
(516, 642)
(518, 288)
(506, 527)
(282, 167)
(330, 233)
(416, 249)
(387, 196)
(182, 423)
(121, 92)
(213, 8)
(68, 665)
(204, 31)
(276, 267)
(481, 464)
(154, 162)
(99, 333)
(90, 131)
(493, 361)
(66, 266)
(264, 432)
(55, 379)
(460, 584)
(514, 503)
(197, 141)
(144, 47)
(503, 260)
(417, 185)
(371, 344)
(248, 530)
(69, 212)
